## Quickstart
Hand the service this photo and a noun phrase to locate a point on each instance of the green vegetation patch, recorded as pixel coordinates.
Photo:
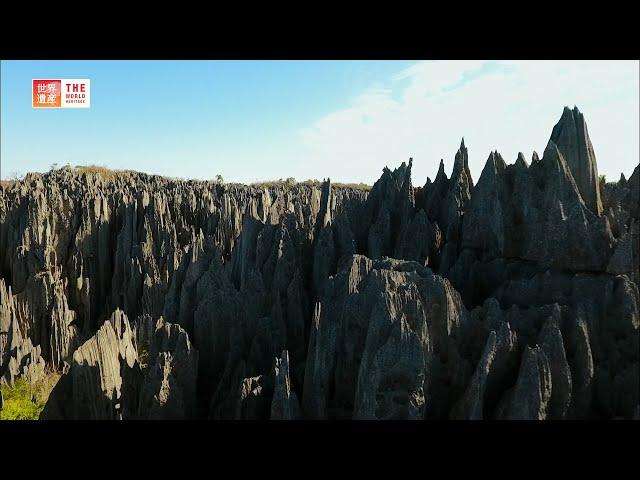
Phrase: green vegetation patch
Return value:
(20, 402)
(25, 401)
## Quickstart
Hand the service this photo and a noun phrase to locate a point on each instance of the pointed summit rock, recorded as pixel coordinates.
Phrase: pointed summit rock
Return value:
(520, 161)
(388, 208)
(558, 173)
(484, 222)
(441, 175)
(534, 158)
(434, 195)
(623, 179)
(461, 163)
(572, 138)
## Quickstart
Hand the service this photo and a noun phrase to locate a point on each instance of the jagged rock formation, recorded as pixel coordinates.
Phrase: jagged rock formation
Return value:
(531, 215)
(572, 139)
(284, 405)
(381, 340)
(514, 298)
(168, 390)
(108, 381)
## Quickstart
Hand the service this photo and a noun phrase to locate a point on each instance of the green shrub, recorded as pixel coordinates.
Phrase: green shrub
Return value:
(25, 401)
(20, 402)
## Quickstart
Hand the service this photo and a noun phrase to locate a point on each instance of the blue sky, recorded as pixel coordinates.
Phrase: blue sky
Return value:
(259, 120)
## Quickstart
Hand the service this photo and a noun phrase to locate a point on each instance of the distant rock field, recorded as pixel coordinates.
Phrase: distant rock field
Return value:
(153, 298)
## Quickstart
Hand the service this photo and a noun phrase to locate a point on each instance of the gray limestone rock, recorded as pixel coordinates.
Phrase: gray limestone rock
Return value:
(572, 138)
(168, 390)
(491, 374)
(284, 405)
(381, 323)
(532, 392)
(552, 344)
(98, 370)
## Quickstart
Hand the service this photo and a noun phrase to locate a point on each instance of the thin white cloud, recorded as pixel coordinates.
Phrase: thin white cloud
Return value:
(510, 106)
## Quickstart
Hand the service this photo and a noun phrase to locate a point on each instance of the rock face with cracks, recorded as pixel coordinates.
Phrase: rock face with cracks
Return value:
(515, 297)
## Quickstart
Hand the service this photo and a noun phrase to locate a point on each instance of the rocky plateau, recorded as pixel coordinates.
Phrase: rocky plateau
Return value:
(514, 297)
